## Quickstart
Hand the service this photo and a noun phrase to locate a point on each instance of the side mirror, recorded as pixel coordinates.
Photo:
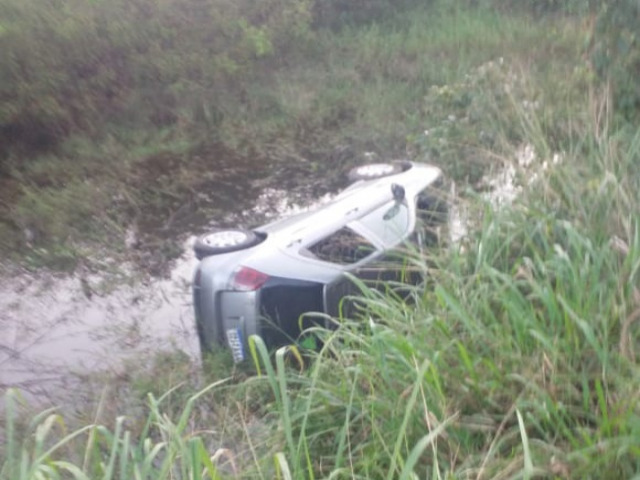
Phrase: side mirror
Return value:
(398, 192)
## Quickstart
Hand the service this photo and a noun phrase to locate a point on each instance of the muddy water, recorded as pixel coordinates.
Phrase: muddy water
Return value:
(54, 329)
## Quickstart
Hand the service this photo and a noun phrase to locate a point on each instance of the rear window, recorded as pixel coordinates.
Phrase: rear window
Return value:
(343, 247)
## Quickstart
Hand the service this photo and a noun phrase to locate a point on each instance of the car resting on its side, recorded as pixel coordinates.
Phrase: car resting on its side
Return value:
(265, 281)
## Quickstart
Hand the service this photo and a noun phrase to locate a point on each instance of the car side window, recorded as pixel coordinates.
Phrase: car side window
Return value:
(389, 223)
(343, 247)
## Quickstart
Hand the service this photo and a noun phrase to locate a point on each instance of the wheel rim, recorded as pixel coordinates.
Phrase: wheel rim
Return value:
(375, 170)
(228, 238)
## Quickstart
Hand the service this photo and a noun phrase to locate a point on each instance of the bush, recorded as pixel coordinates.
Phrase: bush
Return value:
(615, 54)
(471, 120)
(71, 66)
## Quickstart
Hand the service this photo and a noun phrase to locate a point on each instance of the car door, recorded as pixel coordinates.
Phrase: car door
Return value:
(387, 227)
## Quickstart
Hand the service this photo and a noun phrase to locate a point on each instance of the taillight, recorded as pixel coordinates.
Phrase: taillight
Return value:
(247, 279)
(197, 278)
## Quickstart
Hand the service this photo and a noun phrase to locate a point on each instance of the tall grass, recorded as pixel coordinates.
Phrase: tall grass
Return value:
(374, 78)
(517, 359)
(520, 360)
(166, 448)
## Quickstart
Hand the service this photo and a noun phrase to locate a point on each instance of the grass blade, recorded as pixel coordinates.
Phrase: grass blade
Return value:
(528, 462)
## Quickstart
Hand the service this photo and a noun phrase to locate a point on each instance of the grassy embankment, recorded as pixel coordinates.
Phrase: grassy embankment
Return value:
(518, 361)
(123, 114)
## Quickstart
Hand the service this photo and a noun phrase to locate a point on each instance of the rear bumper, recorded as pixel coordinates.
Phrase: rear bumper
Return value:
(225, 319)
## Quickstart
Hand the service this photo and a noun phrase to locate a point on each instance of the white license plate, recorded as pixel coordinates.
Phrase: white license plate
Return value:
(234, 340)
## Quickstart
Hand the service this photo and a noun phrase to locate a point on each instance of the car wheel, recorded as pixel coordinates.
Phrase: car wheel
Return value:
(224, 241)
(374, 170)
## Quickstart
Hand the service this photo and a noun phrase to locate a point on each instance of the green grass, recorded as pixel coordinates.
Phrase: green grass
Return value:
(373, 78)
(518, 359)
(167, 448)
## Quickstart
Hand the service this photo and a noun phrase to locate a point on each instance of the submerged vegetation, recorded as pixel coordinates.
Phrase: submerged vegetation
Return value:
(519, 358)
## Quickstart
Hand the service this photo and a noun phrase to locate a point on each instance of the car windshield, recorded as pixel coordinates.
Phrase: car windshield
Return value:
(389, 223)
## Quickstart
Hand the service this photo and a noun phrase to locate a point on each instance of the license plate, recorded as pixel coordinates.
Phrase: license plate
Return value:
(234, 340)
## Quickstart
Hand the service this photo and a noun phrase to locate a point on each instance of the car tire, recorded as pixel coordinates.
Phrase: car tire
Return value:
(374, 170)
(224, 241)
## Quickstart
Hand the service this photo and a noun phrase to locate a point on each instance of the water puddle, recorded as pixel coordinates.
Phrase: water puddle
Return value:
(52, 327)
